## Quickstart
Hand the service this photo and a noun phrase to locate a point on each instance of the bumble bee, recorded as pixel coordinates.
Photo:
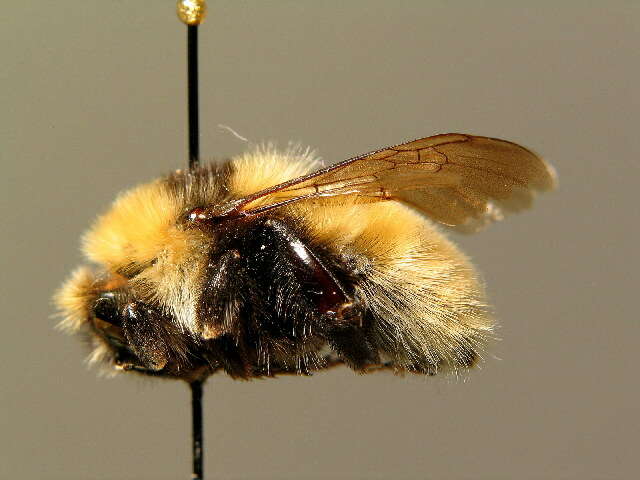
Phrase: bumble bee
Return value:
(262, 266)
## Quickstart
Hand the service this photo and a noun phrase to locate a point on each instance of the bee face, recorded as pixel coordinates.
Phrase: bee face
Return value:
(107, 320)
(241, 268)
(108, 323)
(131, 335)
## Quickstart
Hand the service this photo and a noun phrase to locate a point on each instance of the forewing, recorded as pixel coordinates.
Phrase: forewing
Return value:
(459, 180)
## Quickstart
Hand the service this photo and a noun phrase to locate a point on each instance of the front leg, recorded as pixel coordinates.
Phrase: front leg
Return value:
(154, 339)
(141, 329)
(222, 294)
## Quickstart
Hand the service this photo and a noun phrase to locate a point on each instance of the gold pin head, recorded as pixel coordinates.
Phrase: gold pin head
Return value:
(192, 12)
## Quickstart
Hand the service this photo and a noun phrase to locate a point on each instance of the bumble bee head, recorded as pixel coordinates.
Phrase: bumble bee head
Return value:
(125, 333)
(107, 322)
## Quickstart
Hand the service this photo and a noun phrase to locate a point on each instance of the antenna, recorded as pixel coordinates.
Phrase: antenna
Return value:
(192, 13)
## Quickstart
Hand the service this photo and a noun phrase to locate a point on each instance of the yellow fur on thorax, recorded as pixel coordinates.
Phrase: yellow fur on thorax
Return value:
(139, 227)
(264, 167)
(141, 224)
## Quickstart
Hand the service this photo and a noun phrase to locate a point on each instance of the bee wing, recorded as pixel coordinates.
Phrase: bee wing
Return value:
(463, 181)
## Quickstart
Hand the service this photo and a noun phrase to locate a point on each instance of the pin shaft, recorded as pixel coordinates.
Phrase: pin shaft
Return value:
(192, 85)
(196, 417)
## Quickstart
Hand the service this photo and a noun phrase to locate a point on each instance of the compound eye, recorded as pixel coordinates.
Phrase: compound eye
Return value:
(106, 309)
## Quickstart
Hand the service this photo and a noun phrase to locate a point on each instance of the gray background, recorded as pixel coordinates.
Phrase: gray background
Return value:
(93, 101)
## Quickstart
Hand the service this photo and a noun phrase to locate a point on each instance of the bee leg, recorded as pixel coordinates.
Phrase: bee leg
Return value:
(219, 301)
(353, 346)
(232, 355)
(141, 325)
(350, 341)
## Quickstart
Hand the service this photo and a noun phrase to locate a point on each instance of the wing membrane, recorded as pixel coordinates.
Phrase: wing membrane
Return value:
(460, 180)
